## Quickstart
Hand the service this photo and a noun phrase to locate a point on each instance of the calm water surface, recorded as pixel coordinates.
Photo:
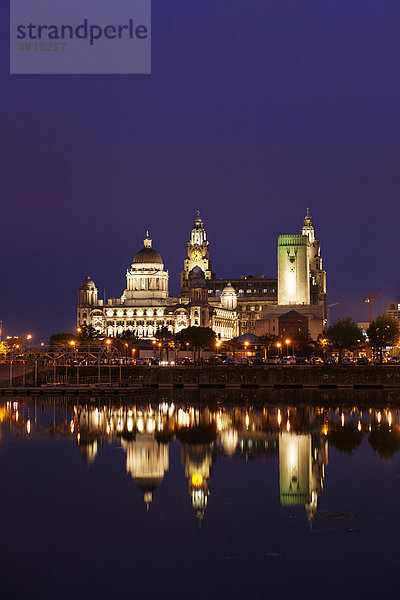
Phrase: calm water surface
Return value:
(172, 496)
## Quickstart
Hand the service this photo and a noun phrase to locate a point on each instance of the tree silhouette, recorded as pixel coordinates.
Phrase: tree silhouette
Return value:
(344, 335)
(383, 332)
(198, 337)
(384, 441)
(345, 439)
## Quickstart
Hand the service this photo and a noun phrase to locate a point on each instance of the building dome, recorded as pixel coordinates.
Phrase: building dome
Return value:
(147, 255)
(87, 284)
(228, 290)
(229, 297)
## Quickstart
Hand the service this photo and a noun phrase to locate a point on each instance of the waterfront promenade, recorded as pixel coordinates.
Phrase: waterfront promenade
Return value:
(122, 378)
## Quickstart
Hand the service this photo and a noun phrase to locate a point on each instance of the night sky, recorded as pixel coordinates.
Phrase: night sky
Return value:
(255, 110)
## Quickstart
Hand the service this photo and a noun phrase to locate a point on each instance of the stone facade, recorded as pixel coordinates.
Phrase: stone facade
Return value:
(248, 304)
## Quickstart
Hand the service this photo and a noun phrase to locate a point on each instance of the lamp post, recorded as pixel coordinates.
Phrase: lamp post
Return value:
(287, 342)
(279, 345)
(73, 344)
(108, 342)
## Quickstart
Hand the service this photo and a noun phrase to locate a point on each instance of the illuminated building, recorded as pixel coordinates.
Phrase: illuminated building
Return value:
(249, 304)
(302, 461)
(146, 462)
(393, 310)
(197, 459)
(260, 301)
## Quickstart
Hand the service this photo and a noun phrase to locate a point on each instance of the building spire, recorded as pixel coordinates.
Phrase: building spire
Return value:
(147, 241)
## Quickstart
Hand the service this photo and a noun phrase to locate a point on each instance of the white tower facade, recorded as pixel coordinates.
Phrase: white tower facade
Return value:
(146, 278)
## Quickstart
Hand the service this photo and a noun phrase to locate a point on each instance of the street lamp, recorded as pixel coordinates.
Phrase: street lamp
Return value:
(108, 342)
(278, 345)
(287, 342)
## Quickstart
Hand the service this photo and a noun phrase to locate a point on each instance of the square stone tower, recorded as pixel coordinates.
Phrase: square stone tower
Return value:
(293, 270)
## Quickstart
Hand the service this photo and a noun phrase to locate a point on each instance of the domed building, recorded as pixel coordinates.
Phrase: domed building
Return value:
(146, 279)
(145, 305)
(146, 462)
(250, 304)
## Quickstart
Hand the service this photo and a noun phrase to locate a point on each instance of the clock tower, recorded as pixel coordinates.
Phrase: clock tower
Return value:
(198, 254)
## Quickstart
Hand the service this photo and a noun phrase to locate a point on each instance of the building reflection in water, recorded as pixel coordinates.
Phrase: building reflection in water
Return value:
(146, 461)
(299, 436)
(198, 460)
(302, 460)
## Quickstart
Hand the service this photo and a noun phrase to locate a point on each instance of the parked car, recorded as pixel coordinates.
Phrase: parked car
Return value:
(316, 360)
(288, 360)
(362, 360)
(329, 361)
(301, 360)
(257, 360)
(395, 360)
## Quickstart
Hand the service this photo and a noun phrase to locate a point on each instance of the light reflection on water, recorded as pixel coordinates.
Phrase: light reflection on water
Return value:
(156, 438)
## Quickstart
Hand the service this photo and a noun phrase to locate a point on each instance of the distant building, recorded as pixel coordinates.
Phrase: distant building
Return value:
(393, 310)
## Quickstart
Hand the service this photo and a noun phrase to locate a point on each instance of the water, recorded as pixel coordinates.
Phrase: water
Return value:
(187, 496)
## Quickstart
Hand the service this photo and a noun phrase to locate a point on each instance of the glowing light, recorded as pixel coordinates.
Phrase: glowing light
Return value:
(17, 416)
(151, 425)
(108, 429)
(279, 417)
(287, 341)
(390, 418)
(28, 426)
(72, 427)
(219, 422)
(108, 342)
(325, 430)
(288, 425)
(29, 337)
(78, 438)
(247, 420)
(140, 424)
(72, 343)
(359, 426)
(129, 424)
(197, 480)
(342, 419)
(379, 417)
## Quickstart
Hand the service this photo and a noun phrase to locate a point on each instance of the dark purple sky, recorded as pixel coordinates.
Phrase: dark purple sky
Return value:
(255, 110)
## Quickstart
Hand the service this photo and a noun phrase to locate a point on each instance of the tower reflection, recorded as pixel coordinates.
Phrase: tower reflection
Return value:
(297, 437)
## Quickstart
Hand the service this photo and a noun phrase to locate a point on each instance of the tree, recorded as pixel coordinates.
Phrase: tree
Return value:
(62, 338)
(198, 337)
(384, 441)
(267, 341)
(344, 335)
(345, 439)
(303, 344)
(89, 334)
(167, 339)
(125, 340)
(383, 332)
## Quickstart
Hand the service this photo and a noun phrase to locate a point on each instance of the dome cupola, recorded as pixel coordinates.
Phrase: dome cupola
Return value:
(147, 255)
(229, 297)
